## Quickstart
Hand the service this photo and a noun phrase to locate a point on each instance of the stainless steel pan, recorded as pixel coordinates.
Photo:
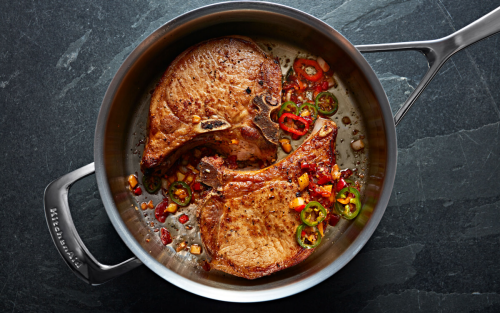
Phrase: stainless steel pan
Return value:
(122, 108)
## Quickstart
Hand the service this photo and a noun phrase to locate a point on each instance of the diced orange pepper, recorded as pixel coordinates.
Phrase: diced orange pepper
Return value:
(344, 201)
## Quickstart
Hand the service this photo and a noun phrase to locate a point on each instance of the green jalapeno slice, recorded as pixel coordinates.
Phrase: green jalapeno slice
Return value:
(288, 107)
(179, 185)
(313, 110)
(151, 183)
(346, 205)
(313, 214)
(350, 182)
(327, 103)
(306, 241)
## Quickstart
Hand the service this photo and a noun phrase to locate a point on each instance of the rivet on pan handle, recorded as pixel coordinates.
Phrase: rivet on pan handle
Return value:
(439, 51)
(66, 238)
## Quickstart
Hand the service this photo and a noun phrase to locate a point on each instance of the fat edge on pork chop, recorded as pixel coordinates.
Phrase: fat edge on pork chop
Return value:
(246, 224)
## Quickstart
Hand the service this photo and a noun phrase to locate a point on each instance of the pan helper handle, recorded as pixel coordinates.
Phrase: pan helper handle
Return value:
(66, 238)
(439, 51)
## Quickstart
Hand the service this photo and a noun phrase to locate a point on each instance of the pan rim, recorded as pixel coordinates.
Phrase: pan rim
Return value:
(265, 294)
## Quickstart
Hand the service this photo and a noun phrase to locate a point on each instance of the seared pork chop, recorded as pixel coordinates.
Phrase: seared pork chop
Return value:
(205, 97)
(246, 223)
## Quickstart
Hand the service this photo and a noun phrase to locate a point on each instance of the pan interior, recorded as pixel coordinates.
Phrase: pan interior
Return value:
(123, 123)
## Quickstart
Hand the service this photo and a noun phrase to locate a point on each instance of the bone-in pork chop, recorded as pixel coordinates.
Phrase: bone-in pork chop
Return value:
(246, 223)
(205, 97)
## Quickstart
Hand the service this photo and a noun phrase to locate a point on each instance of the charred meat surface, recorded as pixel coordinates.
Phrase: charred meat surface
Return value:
(206, 97)
(246, 223)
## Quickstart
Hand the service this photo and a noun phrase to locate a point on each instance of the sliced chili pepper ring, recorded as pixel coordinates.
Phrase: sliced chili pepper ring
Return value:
(151, 183)
(313, 210)
(174, 187)
(350, 182)
(295, 118)
(327, 103)
(183, 218)
(301, 241)
(313, 110)
(345, 210)
(288, 107)
(165, 236)
(160, 211)
(300, 65)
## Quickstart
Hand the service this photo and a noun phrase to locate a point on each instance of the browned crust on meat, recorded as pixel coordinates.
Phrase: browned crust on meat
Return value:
(217, 77)
(246, 225)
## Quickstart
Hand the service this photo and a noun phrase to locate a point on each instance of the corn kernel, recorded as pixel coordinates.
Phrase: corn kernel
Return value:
(132, 181)
(195, 249)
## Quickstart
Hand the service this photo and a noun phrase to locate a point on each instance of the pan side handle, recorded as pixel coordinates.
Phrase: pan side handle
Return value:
(66, 238)
(439, 51)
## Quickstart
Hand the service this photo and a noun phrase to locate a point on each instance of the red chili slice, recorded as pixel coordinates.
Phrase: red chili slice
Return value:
(314, 191)
(183, 218)
(323, 175)
(197, 187)
(308, 119)
(308, 166)
(299, 67)
(165, 236)
(340, 184)
(299, 132)
(334, 219)
(160, 213)
(323, 180)
(138, 191)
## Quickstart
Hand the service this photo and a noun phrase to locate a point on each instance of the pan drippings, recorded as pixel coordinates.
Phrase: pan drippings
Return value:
(350, 128)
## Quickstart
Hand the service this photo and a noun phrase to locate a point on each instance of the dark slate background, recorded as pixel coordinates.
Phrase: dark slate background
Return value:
(436, 248)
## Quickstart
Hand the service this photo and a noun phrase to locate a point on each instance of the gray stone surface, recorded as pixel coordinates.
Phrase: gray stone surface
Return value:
(436, 248)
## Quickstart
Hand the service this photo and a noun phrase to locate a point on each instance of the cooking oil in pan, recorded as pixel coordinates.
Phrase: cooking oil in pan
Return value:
(350, 128)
